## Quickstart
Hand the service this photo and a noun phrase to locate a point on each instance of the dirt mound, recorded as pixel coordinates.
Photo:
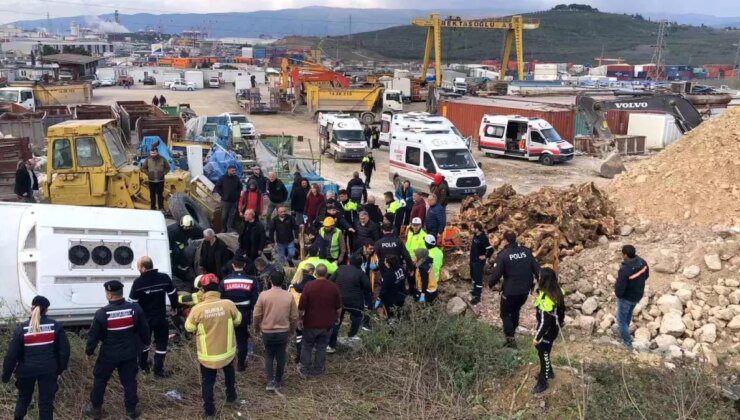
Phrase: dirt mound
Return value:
(549, 221)
(694, 179)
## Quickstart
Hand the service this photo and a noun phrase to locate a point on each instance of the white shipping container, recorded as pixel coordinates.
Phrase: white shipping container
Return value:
(108, 73)
(597, 71)
(397, 73)
(195, 77)
(545, 66)
(660, 130)
(545, 77)
(248, 52)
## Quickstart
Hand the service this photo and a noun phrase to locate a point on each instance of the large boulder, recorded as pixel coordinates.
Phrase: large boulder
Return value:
(456, 306)
(670, 303)
(586, 323)
(664, 341)
(734, 325)
(691, 271)
(590, 306)
(672, 324)
(707, 333)
(713, 262)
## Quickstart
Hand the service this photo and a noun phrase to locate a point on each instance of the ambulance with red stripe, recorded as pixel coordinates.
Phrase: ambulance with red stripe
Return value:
(67, 253)
(527, 138)
(420, 151)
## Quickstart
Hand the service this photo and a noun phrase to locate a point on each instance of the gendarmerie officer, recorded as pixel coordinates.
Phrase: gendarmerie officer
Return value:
(151, 290)
(38, 353)
(519, 268)
(243, 290)
(121, 328)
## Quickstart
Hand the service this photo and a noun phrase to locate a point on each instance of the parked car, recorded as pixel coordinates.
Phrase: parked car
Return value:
(92, 79)
(245, 126)
(169, 84)
(108, 81)
(214, 82)
(180, 85)
(149, 80)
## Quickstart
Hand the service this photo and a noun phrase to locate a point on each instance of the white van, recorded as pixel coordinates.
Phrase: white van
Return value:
(342, 136)
(418, 153)
(66, 253)
(392, 124)
(527, 138)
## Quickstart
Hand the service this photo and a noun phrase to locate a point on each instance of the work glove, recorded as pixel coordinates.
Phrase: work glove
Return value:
(373, 266)
(422, 298)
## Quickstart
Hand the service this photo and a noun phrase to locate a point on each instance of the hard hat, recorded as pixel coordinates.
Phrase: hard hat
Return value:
(207, 279)
(329, 222)
(196, 283)
(430, 240)
(187, 221)
(416, 221)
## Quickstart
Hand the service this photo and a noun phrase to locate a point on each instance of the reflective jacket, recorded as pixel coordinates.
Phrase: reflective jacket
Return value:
(367, 165)
(330, 246)
(415, 241)
(314, 261)
(426, 280)
(122, 330)
(37, 353)
(243, 290)
(349, 210)
(213, 322)
(549, 318)
(438, 258)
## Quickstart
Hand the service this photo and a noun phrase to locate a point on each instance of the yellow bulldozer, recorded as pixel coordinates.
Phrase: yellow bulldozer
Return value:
(87, 165)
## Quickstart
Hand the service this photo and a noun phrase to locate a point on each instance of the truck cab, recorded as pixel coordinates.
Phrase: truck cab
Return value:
(419, 152)
(22, 96)
(342, 136)
(533, 139)
(392, 100)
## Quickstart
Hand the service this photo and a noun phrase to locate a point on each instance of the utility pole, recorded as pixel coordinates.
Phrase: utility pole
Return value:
(48, 24)
(349, 37)
(737, 61)
(659, 53)
(115, 17)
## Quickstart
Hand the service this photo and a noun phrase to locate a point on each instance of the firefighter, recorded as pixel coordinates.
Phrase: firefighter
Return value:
(122, 330)
(480, 251)
(151, 291)
(518, 267)
(243, 290)
(213, 321)
(38, 353)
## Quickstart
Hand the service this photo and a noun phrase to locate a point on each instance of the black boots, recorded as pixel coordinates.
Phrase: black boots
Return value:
(540, 386)
(475, 300)
(510, 343)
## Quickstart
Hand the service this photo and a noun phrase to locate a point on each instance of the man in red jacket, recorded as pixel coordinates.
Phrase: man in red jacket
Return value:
(319, 309)
(420, 207)
(251, 199)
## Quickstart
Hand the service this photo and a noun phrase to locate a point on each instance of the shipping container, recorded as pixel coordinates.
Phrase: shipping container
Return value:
(196, 77)
(660, 130)
(181, 63)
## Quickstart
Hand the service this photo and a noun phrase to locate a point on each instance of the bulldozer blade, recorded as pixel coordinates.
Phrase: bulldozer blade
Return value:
(611, 166)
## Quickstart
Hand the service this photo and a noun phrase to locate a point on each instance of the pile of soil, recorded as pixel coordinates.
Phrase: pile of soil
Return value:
(696, 179)
(551, 222)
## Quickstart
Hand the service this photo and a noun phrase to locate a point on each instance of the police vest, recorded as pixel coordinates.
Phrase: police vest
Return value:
(415, 241)
(334, 248)
(394, 206)
(349, 206)
(544, 303)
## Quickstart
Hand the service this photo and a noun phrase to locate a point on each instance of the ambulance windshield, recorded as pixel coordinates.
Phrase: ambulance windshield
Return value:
(349, 135)
(551, 135)
(454, 159)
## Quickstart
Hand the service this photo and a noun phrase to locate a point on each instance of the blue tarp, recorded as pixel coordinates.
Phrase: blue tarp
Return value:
(145, 146)
(219, 162)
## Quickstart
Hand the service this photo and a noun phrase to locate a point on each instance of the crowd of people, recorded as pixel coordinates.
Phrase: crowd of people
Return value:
(350, 260)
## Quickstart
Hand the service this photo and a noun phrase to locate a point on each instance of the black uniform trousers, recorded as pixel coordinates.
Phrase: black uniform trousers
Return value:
(476, 272)
(47, 390)
(510, 307)
(156, 195)
(368, 176)
(208, 380)
(161, 331)
(543, 351)
(127, 370)
(241, 332)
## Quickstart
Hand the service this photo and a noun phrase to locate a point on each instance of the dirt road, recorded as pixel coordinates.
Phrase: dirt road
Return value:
(523, 175)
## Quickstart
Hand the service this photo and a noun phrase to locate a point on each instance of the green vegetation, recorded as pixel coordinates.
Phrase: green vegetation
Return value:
(564, 36)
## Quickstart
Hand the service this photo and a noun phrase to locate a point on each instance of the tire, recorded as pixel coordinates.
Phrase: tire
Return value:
(182, 205)
(190, 89)
(367, 118)
(547, 160)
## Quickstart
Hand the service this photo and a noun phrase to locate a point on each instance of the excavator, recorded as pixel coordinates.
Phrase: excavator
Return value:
(592, 110)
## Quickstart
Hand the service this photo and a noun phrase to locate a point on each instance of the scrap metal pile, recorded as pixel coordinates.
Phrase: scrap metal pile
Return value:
(553, 223)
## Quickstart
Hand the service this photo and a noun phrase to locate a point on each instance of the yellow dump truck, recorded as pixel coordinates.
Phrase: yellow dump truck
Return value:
(366, 104)
(30, 95)
(88, 166)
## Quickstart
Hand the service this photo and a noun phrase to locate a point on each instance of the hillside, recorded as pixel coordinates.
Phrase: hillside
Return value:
(565, 37)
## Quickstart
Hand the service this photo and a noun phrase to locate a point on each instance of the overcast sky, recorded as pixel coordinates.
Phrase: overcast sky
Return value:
(12, 10)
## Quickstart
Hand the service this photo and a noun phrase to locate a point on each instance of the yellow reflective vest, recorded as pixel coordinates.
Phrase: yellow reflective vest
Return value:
(314, 261)
(438, 258)
(213, 321)
(415, 241)
(335, 247)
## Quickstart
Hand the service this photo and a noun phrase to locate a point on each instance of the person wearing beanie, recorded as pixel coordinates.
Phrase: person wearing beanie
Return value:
(38, 352)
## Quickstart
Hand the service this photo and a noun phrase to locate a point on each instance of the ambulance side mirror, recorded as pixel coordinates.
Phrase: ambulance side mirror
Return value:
(480, 165)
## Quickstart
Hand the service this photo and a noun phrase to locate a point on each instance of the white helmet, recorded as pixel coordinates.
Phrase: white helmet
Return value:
(430, 240)
(196, 283)
(187, 221)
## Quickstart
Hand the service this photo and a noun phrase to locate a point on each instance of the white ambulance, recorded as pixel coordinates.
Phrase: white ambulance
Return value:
(527, 138)
(392, 124)
(66, 253)
(342, 136)
(419, 153)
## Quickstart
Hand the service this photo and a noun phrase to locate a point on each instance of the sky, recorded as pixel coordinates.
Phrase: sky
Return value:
(12, 10)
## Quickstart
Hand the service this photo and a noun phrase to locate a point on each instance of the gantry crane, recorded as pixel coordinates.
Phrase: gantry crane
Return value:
(514, 25)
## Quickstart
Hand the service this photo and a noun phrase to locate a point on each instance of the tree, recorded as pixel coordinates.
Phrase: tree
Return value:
(48, 50)
(68, 49)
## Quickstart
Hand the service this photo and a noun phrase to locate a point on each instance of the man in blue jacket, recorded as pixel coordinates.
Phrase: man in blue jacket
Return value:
(436, 219)
(629, 288)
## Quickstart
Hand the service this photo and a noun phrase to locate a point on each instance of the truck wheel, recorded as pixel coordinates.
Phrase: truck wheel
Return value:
(547, 160)
(190, 89)
(182, 205)
(367, 118)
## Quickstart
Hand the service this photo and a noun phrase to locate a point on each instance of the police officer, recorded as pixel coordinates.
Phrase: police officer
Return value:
(38, 352)
(518, 267)
(121, 328)
(150, 290)
(243, 290)
(391, 244)
(480, 251)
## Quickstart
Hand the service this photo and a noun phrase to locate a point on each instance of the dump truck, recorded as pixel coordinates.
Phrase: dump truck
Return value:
(87, 165)
(366, 104)
(94, 112)
(32, 94)
(130, 111)
(26, 124)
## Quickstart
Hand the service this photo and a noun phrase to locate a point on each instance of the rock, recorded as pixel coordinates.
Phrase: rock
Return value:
(670, 303)
(587, 323)
(684, 295)
(678, 285)
(691, 271)
(643, 227)
(603, 240)
(688, 344)
(734, 297)
(672, 324)
(641, 305)
(626, 230)
(456, 306)
(732, 283)
(688, 322)
(713, 262)
(709, 355)
(642, 334)
(665, 341)
(590, 306)
(734, 325)
(707, 333)
(726, 314)
(674, 352)
(721, 290)
(667, 263)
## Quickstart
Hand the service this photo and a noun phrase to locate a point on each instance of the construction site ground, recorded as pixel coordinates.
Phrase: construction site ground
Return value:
(523, 175)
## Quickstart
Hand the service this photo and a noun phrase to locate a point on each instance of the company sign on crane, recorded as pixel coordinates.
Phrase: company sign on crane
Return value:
(514, 25)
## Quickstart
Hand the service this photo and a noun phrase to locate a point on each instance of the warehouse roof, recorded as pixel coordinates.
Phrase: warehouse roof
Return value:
(70, 59)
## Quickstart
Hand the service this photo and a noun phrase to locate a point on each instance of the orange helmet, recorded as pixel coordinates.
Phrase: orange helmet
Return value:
(207, 279)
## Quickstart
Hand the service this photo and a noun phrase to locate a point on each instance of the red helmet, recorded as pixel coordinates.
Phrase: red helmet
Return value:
(207, 279)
